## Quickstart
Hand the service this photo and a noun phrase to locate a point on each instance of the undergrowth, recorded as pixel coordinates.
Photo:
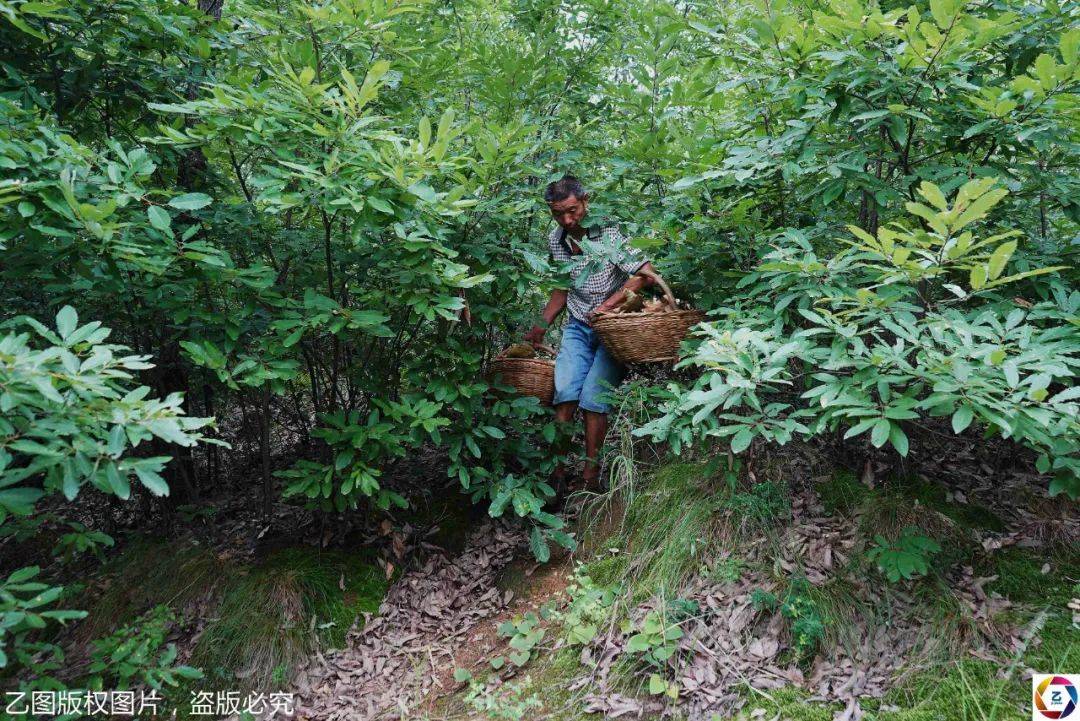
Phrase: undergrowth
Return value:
(276, 613)
(666, 528)
(138, 578)
(263, 619)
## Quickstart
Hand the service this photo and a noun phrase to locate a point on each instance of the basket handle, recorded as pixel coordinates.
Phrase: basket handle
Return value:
(540, 346)
(669, 297)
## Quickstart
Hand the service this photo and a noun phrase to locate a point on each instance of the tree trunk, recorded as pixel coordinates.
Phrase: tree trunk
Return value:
(264, 450)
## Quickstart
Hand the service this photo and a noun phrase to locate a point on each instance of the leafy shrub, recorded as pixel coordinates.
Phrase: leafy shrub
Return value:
(80, 540)
(798, 607)
(590, 605)
(655, 639)
(503, 701)
(524, 633)
(24, 610)
(725, 570)
(804, 619)
(69, 417)
(904, 326)
(905, 557)
(135, 653)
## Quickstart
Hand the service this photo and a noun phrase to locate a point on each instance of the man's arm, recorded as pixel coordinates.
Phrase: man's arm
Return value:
(635, 283)
(551, 311)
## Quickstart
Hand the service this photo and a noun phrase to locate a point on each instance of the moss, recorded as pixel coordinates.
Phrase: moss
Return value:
(969, 690)
(841, 493)
(787, 703)
(933, 495)
(334, 609)
(608, 569)
(1020, 577)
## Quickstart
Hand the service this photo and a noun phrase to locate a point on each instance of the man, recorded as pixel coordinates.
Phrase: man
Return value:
(600, 275)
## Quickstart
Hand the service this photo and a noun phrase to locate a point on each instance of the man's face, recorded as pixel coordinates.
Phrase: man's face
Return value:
(568, 213)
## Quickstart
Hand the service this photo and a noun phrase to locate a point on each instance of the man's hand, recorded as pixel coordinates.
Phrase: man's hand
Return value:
(607, 306)
(535, 336)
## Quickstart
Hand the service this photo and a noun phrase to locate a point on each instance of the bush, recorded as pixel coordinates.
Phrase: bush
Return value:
(904, 327)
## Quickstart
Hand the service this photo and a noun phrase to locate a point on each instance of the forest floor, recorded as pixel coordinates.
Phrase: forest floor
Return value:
(780, 614)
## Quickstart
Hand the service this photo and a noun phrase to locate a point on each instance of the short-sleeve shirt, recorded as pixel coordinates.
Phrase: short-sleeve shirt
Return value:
(605, 263)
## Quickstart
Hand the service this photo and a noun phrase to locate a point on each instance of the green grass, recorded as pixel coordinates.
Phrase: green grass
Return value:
(147, 572)
(933, 495)
(276, 613)
(841, 493)
(668, 527)
(1020, 576)
(785, 703)
(260, 619)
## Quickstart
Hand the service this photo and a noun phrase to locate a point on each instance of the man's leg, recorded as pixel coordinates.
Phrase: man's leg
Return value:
(564, 414)
(595, 430)
(571, 368)
(604, 375)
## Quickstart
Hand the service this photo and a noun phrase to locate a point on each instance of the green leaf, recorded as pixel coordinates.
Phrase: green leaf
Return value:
(152, 481)
(118, 482)
(940, 12)
(999, 258)
(898, 439)
(1069, 44)
(293, 338)
(978, 277)
(23, 574)
(933, 195)
(425, 132)
(446, 121)
(117, 441)
(191, 201)
(424, 192)
(379, 204)
(961, 419)
(538, 545)
(159, 218)
(1046, 71)
(19, 501)
(493, 431)
(742, 439)
(66, 321)
(880, 434)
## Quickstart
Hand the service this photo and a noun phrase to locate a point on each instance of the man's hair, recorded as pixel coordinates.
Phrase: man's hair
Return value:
(563, 188)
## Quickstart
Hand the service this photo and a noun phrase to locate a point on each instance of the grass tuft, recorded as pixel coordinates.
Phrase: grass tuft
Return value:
(841, 493)
(148, 572)
(668, 526)
(278, 612)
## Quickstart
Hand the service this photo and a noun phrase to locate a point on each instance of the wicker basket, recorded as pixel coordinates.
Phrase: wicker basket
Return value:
(646, 337)
(531, 376)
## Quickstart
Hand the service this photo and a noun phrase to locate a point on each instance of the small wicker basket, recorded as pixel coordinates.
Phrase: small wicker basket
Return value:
(531, 376)
(646, 337)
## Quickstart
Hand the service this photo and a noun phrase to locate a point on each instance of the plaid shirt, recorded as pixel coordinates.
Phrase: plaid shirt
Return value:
(605, 263)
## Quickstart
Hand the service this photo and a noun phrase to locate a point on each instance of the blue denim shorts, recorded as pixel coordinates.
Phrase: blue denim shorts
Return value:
(584, 371)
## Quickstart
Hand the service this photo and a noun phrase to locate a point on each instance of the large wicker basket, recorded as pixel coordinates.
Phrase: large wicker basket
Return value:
(531, 376)
(646, 337)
